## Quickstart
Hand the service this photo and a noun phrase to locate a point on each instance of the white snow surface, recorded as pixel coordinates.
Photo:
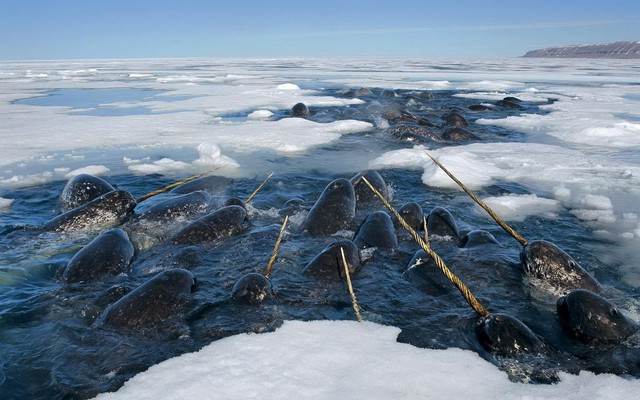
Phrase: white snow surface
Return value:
(346, 360)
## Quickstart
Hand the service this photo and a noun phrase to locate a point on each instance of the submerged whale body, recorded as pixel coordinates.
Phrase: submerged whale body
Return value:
(105, 211)
(478, 237)
(505, 335)
(335, 210)
(592, 317)
(458, 134)
(252, 289)
(413, 133)
(455, 119)
(211, 184)
(224, 222)
(108, 254)
(545, 261)
(153, 302)
(376, 231)
(329, 262)
(81, 189)
(179, 207)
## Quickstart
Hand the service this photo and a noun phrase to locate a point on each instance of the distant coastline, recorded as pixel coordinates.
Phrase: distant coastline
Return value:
(608, 50)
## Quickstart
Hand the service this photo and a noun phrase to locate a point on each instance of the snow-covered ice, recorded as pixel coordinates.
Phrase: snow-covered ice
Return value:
(346, 360)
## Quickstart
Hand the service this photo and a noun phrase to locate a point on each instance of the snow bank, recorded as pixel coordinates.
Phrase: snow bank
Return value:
(346, 360)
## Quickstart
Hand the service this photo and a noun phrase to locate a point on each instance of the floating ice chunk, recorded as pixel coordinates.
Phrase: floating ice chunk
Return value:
(595, 208)
(260, 114)
(288, 86)
(467, 167)
(5, 204)
(20, 181)
(161, 166)
(596, 202)
(210, 154)
(514, 207)
(96, 170)
(62, 170)
(405, 158)
(620, 134)
(562, 193)
(602, 216)
(435, 85)
(496, 85)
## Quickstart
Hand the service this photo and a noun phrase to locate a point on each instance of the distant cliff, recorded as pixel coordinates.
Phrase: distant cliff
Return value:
(609, 50)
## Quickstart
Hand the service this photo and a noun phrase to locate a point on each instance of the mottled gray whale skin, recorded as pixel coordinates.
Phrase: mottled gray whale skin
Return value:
(108, 254)
(457, 134)
(252, 289)
(153, 302)
(183, 206)
(589, 317)
(440, 222)
(224, 222)
(363, 192)
(328, 263)
(412, 133)
(105, 211)
(455, 119)
(545, 261)
(505, 335)
(335, 210)
(376, 231)
(82, 189)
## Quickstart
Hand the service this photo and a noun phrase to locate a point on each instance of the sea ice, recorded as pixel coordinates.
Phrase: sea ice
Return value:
(513, 207)
(347, 360)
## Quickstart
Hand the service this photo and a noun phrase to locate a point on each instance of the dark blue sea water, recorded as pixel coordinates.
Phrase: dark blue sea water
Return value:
(52, 347)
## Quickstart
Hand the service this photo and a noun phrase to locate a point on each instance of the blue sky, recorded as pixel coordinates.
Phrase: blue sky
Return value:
(62, 29)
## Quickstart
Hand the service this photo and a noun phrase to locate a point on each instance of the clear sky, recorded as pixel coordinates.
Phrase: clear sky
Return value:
(60, 29)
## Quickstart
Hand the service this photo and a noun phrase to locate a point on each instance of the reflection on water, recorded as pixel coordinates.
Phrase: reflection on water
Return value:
(96, 101)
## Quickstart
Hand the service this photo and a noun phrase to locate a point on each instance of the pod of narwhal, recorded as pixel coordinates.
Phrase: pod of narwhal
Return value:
(499, 333)
(111, 253)
(585, 314)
